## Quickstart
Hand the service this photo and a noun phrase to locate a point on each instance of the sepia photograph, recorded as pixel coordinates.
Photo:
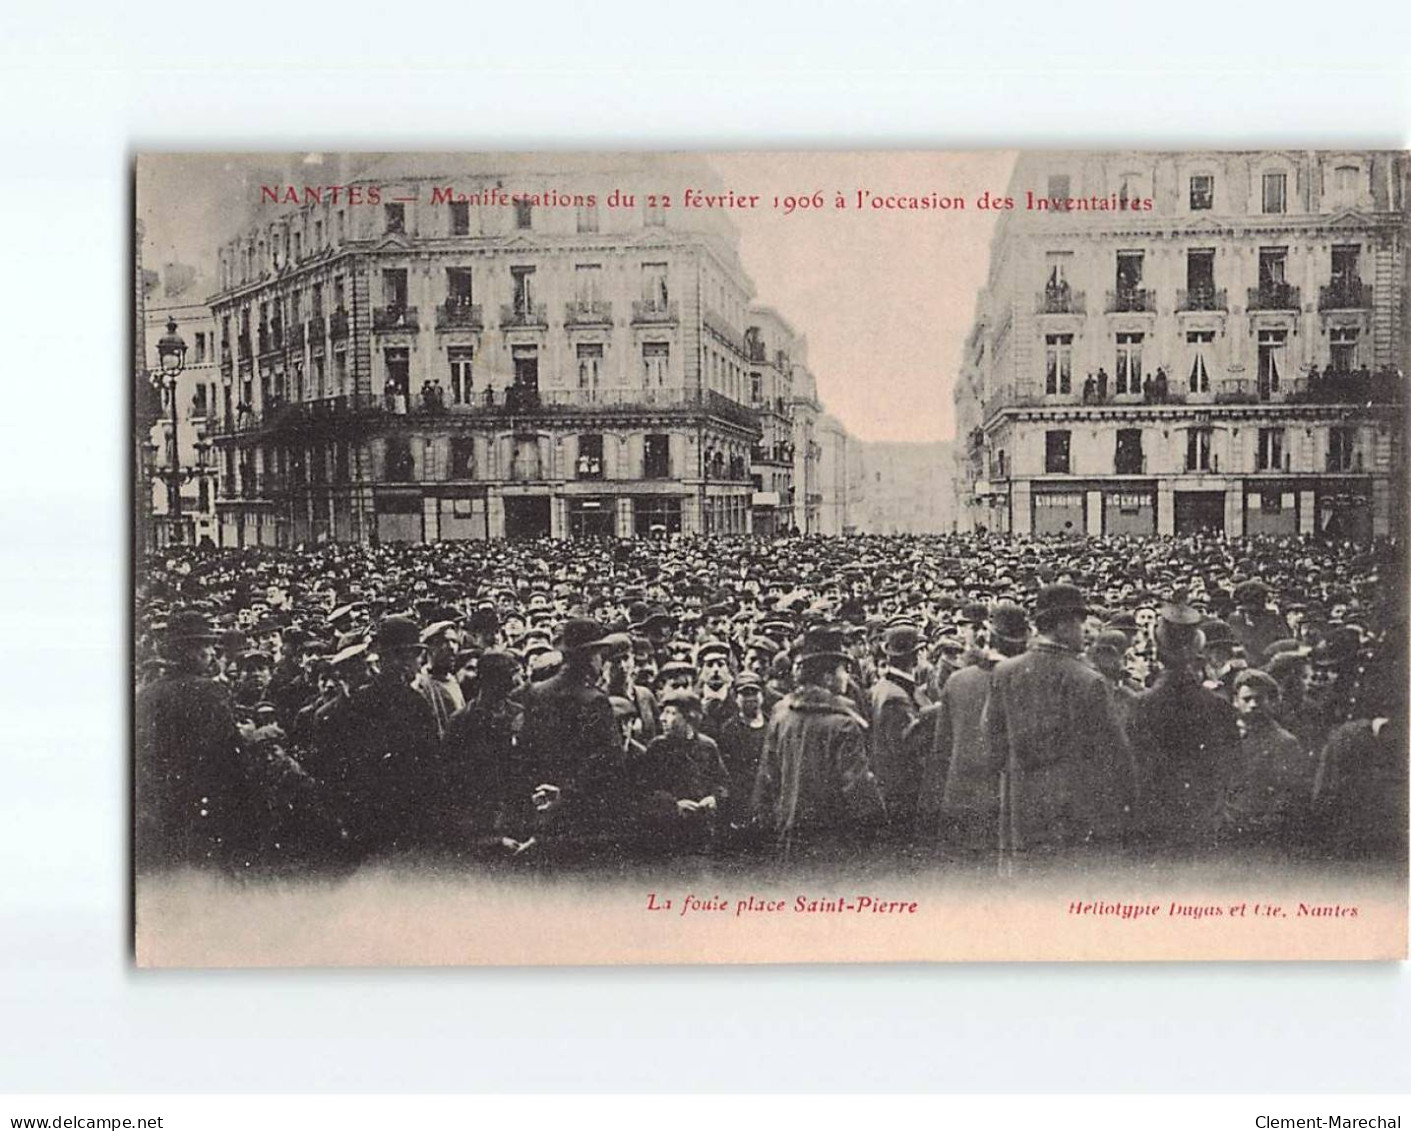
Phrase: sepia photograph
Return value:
(769, 557)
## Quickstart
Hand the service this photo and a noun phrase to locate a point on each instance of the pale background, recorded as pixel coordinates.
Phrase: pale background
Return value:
(82, 91)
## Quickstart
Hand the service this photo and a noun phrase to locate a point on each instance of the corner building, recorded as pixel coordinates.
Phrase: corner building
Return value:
(423, 356)
(1228, 357)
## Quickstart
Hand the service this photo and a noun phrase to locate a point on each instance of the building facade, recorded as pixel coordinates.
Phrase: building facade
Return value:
(475, 348)
(839, 511)
(1221, 348)
(808, 452)
(189, 461)
(769, 347)
(909, 488)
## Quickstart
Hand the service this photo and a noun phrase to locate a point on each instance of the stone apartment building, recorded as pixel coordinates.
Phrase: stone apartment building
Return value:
(497, 346)
(1220, 348)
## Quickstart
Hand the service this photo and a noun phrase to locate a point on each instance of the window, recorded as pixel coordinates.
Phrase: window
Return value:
(654, 290)
(1130, 190)
(590, 456)
(587, 283)
(1345, 178)
(1057, 264)
(200, 347)
(1271, 361)
(320, 390)
(1342, 448)
(1198, 449)
(1128, 458)
(523, 214)
(339, 293)
(1269, 455)
(1129, 271)
(458, 287)
(460, 218)
(656, 457)
(1342, 348)
(526, 372)
(298, 245)
(1201, 342)
(1273, 264)
(590, 364)
(398, 371)
(1058, 363)
(1129, 363)
(1347, 266)
(756, 388)
(656, 516)
(317, 301)
(1275, 192)
(522, 280)
(342, 226)
(340, 373)
(395, 217)
(400, 465)
(588, 218)
(318, 234)
(1202, 192)
(1200, 274)
(462, 458)
(1056, 452)
(394, 288)
(656, 360)
(1059, 186)
(462, 359)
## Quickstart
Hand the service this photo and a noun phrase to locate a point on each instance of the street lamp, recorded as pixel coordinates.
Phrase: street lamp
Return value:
(171, 360)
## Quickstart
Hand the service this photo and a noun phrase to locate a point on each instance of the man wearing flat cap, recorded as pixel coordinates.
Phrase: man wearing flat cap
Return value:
(1050, 725)
(816, 791)
(1269, 795)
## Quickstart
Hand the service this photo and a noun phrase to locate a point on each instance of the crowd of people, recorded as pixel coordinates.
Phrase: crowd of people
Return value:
(918, 699)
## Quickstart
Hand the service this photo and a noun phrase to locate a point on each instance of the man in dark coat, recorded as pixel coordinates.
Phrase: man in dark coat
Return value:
(742, 745)
(1186, 738)
(816, 791)
(679, 785)
(572, 747)
(895, 708)
(189, 786)
(379, 751)
(487, 786)
(959, 806)
(1269, 797)
(1050, 724)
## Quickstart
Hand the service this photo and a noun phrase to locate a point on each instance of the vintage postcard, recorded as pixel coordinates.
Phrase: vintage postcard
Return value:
(576, 558)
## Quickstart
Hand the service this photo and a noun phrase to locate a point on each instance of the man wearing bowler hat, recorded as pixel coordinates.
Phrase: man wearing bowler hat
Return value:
(571, 743)
(894, 707)
(815, 790)
(1050, 726)
(379, 750)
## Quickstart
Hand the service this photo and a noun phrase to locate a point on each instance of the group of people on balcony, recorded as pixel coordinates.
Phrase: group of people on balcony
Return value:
(1154, 389)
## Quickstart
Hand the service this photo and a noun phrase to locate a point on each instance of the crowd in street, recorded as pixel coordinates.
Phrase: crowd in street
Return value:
(922, 699)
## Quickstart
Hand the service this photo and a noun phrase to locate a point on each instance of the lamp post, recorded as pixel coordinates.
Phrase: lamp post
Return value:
(171, 360)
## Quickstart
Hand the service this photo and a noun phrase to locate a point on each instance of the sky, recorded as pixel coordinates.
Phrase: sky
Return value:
(884, 297)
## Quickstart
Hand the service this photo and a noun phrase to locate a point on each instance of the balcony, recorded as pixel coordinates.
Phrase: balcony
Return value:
(1061, 300)
(391, 318)
(587, 312)
(1345, 294)
(1356, 387)
(1136, 300)
(1349, 459)
(1274, 296)
(524, 314)
(338, 324)
(655, 313)
(453, 314)
(1202, 298)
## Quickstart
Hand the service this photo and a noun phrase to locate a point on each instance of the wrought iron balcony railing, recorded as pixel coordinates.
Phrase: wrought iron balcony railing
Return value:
(1061, 300)
(1274, 296)
(386, 318)
(1202, 298)
(650, 312)
(1345, 294)
(1135, 300)
(524, 314)
(587, 312)
(456, 315)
